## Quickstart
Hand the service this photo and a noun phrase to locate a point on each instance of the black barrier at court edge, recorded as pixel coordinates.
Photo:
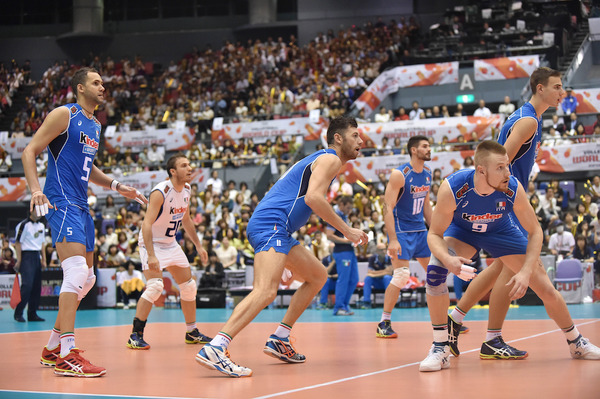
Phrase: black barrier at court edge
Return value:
(51, 283)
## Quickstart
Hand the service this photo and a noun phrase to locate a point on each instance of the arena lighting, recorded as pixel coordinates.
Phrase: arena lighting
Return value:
(465, 98)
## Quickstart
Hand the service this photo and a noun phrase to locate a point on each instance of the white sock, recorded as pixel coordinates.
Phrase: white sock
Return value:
(189, 327)
(283, 330)
(440, 333)
(457, 315)
(221, 339)
(571, 333)
(491, 334)
(67, 342)
(386, 316)
(54, 340)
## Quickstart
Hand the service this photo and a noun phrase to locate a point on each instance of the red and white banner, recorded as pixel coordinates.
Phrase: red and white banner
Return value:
(260, 131)
(569, 158)
(521, 66)
(171, 139)
(588, 100)
(406, 76)
(436, 128)
(367, 169)
(15, 146)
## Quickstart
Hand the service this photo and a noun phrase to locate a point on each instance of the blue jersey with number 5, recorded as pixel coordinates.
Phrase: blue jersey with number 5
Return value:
(481, 213)
(408, 212)
(70, 159)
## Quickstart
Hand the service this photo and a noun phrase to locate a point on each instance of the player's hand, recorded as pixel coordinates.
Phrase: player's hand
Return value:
(394, 249)
(40, 203)
(132, 193)
(520, 282)
(454, 265)
(203, 255)
(357, 236)
(153, 263)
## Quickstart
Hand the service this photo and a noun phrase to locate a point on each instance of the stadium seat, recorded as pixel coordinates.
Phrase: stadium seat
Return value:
(568, 280)
(568, 188)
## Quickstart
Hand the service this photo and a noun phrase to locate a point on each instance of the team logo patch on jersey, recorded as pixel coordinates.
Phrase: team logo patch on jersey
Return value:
(166, 189)
(485, 218)
(509, 192)
(500, 205)
(405, 170)
(462, 191)
(90, 145)
(73, 109)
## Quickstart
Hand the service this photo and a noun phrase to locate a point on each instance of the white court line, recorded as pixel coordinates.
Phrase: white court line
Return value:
(324, 384)
(96, 395)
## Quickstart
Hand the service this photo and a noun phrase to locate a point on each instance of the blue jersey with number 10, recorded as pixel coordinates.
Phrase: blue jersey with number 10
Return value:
(70, 159)
(408, 212)
(478, 213)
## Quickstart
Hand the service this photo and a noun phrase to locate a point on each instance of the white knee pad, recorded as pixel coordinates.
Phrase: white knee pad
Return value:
(154, 289)
(400, 277)
(89, 283)
(75, 273)
(188, 290)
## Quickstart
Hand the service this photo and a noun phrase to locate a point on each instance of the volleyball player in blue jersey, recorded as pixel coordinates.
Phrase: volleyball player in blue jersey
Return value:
(72, 136)
(521, 135)
(284, 209)
(406, 209)
(478, 209)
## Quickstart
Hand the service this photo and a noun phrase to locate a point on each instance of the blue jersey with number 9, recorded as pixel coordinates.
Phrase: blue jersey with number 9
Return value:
(70, 159)
(408, 212)
(477, 213)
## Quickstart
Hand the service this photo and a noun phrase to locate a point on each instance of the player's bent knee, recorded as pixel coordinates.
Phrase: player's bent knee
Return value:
(400, 277)
(436, 280)
(154, 289)
(188, 290)
(75, 274)
(89, 283)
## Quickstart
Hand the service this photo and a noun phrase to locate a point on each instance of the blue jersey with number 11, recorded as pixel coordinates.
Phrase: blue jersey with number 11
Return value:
(408, 212)
(70, 159)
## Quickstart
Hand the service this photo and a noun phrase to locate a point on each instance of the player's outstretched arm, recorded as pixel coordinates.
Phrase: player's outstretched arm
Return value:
(100, 178)
(55, 123)
(392, 190)
(324, 170)
(440, 220)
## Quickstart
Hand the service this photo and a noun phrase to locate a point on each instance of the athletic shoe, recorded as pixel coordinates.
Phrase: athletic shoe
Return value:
(581, 348)
(136, 341)
(454, 330)
(282, 349)
(437, 358)
(196, 337)
(217, 358)
(343, 312)
(498, 349)
(384, 330)
(75, 365)
(464, 329)
(49, 356)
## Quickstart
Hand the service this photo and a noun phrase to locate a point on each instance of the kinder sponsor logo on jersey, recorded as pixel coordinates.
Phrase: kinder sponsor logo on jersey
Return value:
(90, 145)
(419, 189)
(485, 218)
(462, 191)
(175, 211)
(500, 205)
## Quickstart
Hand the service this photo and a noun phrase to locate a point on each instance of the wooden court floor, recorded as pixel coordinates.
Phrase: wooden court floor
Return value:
(344, 360)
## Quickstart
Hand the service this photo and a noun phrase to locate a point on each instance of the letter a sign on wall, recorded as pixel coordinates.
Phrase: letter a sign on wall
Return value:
(466, 83)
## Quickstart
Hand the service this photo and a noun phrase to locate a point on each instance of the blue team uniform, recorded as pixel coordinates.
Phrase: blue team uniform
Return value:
(347, 269)
(283, 211)
(408, 212)
(377, 263)
(70, 160)
(569, 104)
(485, 222)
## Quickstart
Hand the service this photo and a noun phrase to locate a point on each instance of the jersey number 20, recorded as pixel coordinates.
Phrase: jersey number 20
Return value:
(171, 231)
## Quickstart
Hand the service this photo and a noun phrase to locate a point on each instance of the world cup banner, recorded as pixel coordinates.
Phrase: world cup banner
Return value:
(569, 158)
(171, 139)
(373, 133)
(406, 76)
(367, 169)
(506, 67)
(261, 131)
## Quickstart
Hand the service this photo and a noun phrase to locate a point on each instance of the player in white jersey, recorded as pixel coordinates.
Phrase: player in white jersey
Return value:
(167, 211)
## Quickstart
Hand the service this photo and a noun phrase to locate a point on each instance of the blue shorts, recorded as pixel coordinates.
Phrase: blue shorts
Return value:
(264, 235)
(414, 245)
(72, 223)
(497, 244)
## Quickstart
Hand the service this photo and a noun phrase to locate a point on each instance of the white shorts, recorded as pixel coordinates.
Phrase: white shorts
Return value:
(171, 255)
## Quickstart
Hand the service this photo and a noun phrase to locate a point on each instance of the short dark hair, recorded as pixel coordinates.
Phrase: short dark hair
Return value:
(414, 142)
(80, 77)
(541, 76)
(344, 199)
(488, 147)
(338, 125)
(173, 161)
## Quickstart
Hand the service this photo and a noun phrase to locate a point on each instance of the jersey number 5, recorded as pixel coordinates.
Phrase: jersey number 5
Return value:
(171, 231)
(86, 168)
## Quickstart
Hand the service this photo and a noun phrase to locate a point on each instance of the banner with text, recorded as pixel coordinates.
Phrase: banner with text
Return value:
(406, 76)
(569, 158)
(521, 66)
(171, 139)
(261, 131)
(367, 169)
